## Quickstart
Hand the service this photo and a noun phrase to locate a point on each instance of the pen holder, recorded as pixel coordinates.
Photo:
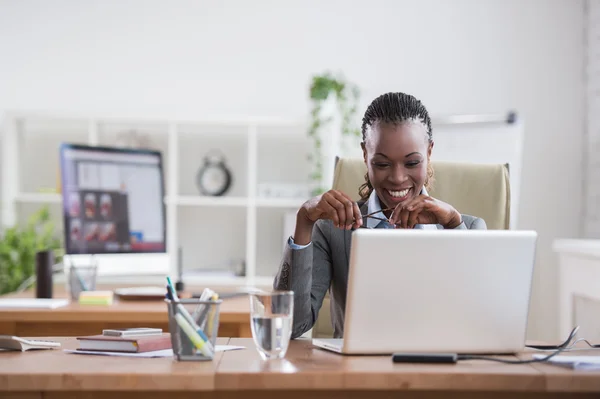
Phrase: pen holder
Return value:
(80, 278)
(194, 325)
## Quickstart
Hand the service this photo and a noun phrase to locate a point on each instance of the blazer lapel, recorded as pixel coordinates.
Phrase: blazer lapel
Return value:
(348, 233)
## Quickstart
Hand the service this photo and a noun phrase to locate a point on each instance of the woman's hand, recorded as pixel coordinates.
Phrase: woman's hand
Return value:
(333, 205)
(424, 209)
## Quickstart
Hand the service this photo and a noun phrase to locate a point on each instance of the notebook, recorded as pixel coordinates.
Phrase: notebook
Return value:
(138, 344)
(141, 293)
(96, 298)
(11, 342)
(33, 303)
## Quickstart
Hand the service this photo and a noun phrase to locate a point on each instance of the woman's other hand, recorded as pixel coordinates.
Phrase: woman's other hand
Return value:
(424, 209)
(333, 205)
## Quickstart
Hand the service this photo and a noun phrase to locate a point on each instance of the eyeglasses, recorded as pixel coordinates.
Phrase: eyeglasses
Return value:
(370, 215)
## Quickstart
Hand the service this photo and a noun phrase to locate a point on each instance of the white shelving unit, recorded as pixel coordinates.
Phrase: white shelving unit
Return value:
(211, 230)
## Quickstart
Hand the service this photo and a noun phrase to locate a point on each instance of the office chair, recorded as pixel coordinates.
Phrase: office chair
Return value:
(481, 190)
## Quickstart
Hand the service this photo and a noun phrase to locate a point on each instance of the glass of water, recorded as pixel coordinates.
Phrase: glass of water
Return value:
(271, 314)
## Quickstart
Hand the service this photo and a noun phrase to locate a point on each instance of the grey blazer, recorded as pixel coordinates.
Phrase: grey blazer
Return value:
(323, 265)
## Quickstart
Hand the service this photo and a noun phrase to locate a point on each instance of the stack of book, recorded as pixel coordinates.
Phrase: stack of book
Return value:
(133, 344)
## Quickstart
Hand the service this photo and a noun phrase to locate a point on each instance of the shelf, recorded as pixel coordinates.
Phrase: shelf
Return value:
(39, 198)
(182, 200)
(257, 150)
(214, 281)
(191, 200)
(280, 202)
(185, 200)
(259, 282)
(191, 281)
(264, 281)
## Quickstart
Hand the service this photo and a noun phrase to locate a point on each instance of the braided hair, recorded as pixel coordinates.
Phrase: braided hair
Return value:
(395, 108)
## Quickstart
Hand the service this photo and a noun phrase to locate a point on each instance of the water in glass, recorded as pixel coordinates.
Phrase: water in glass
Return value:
(272, 318)
(272, 334)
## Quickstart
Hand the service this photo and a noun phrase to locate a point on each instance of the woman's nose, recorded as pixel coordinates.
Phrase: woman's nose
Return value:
(398, 175)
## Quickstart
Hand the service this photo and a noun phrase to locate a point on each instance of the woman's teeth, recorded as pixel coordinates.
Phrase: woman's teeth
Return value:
(399, 194)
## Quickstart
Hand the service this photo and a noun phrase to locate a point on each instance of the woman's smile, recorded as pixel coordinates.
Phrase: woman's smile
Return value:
(393, 197)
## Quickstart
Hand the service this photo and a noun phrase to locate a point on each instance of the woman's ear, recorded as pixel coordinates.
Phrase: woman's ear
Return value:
(364, 150)
(429, 177)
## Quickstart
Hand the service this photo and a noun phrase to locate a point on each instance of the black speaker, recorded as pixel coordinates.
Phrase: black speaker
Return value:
(44, 261)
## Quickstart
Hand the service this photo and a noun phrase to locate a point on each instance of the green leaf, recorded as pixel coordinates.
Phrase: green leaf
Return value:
(19, 245)
(346, 95)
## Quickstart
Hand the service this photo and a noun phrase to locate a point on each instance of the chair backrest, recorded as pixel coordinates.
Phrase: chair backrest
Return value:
(481, 190)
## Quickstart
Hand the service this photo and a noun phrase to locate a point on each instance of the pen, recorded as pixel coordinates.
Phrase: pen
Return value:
(192, 323)
(173, 293)
(186, 315)
(211, 315)
(192, 335)
(81, 282)
(206, 294)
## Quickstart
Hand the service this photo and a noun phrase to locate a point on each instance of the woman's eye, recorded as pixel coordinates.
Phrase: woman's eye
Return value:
(412, 164)
(381, 165)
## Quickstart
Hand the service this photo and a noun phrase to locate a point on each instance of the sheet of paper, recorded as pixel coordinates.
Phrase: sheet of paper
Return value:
(161, 353)
(574, 362)
(37, 303)
(223, 348)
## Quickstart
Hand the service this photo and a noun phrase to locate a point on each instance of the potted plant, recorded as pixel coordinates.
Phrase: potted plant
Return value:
(19, 245)
(330, 94)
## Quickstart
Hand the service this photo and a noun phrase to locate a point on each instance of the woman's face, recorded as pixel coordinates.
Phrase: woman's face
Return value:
(397, 156)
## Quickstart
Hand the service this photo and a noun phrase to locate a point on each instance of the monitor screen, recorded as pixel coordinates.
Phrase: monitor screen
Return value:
(113, 200)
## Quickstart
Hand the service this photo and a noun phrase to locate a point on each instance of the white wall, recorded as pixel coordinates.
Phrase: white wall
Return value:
(591, 190)
(237, 57)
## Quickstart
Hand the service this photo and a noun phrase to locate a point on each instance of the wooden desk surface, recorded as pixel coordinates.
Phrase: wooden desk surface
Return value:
(232, 310)
(305, 372)
(75, 319)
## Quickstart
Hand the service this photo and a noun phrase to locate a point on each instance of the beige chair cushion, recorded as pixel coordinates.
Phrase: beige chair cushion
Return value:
(473, 189)
(481, 190)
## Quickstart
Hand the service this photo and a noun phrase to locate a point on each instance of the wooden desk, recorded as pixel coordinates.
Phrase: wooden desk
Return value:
(75, 319)
(306, 372)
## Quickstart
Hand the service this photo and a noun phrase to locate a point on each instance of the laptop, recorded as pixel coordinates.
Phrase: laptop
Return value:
(424, 291)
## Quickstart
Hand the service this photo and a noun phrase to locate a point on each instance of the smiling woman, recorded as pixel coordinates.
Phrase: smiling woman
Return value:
(397, 146)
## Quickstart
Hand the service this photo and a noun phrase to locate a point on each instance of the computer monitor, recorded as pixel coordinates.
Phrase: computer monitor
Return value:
(113, 200)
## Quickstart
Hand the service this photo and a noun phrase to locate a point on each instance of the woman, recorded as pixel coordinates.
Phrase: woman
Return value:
(397, 144)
